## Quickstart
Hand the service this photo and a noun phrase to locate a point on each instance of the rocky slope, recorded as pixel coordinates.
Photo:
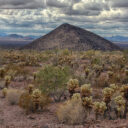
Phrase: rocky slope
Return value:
(71, 37)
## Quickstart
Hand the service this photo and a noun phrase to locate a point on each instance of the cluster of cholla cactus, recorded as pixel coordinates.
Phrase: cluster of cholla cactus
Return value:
(66, 60)
(31, 61)
(107, 95)
(120, 103)
(124, 92)
(84, 95)
(99, 108)
(86, 98)
(72, 84)
(33, 100)
(107, 98)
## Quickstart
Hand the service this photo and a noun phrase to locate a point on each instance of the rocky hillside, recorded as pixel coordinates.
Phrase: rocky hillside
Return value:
(71, 37)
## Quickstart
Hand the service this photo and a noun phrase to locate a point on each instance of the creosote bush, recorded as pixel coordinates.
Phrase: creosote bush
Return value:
(51, 79)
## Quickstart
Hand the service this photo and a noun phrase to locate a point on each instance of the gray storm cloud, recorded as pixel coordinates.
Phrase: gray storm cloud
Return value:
(101, 16)
(22, 4)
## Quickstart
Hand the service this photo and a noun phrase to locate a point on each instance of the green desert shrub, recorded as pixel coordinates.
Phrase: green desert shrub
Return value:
(53, 78)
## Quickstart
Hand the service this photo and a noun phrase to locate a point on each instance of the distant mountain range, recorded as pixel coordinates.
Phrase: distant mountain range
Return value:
(117, 38)
(5, 36)
(15, 41)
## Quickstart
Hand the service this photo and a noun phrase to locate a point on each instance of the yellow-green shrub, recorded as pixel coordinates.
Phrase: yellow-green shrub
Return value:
(72, 111)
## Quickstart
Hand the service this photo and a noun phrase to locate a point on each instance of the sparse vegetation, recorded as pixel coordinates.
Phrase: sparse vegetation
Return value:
(80, 85)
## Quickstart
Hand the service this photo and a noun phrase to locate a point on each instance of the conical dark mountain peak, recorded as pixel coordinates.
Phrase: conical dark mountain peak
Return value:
(71, 37)
(65, 25)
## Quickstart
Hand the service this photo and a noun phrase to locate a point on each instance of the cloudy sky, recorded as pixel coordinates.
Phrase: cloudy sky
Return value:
(38, 17)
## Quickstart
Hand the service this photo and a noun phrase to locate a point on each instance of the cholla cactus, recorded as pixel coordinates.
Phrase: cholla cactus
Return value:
(110, 73)
(87, 70)
(4, 92)
(72, 85)
(99, 108)
(36, 95)
(114, 87)
(7, 81)
(2, 72)
(76, 96)
(98, 68)
(120, 102)
(85, 90)
(87, 103)
(30, 88)
(107, 95)
(124, 90)
(65, 60)
(35, 75)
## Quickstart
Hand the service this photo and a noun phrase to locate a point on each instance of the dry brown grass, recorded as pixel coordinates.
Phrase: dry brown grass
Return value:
(13, 96)
(71, 112)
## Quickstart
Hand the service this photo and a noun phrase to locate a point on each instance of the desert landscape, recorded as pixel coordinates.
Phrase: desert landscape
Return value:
(63, 64)
(63, 88)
